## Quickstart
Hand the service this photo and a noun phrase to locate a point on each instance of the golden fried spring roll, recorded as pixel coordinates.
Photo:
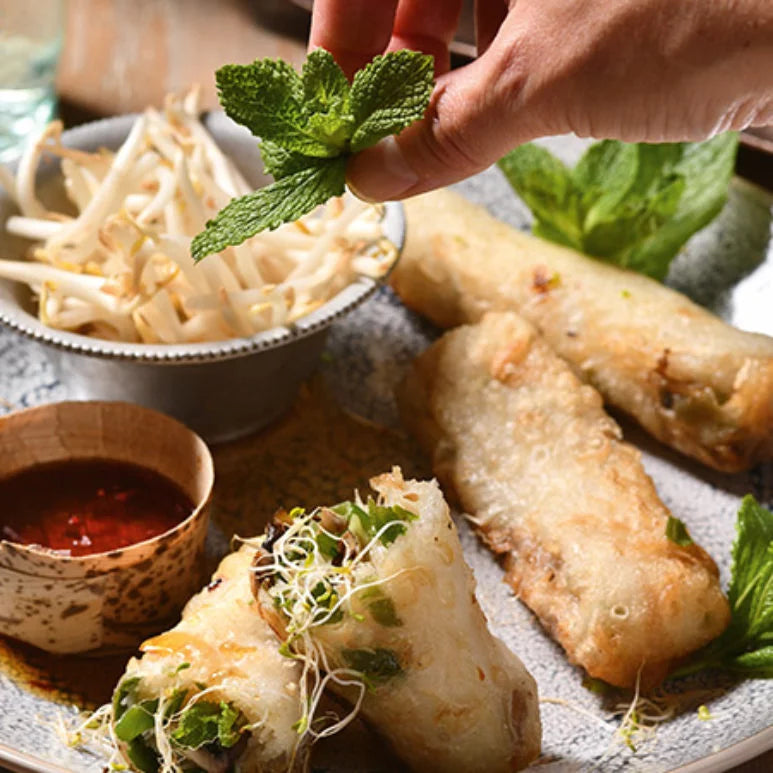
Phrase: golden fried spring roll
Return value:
(213, 693)
(379, 595)
(693, 381)
(551, 487)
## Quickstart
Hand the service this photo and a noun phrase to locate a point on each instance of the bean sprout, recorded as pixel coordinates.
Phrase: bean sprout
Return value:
(121, 268)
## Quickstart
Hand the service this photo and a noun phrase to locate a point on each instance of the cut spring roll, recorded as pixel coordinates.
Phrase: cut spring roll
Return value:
(552, 488)
(213, 693)
(377, 596)
(693, 381)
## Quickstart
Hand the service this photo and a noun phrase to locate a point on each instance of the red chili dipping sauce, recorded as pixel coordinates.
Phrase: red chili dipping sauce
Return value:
(88, 506)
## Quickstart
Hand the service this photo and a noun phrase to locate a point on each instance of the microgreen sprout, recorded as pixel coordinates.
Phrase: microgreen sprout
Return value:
(315, 568)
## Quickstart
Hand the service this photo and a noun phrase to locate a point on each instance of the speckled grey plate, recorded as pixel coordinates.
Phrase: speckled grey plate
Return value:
(728, 267)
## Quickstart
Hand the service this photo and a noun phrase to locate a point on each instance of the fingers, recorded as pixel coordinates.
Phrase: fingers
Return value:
(428, 27)
(472, 121)
(354, 31)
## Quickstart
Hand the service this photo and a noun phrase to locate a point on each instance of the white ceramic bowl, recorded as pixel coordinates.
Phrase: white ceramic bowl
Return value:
(221, 390)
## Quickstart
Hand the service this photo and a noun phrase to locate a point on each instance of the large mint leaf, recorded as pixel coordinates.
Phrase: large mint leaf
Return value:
(326, 100)
(547, 187)
(706, 168)
(751, 587)
(325, 88)
(280, 162)
(267, 97)
(633, 205)
(389, 94)
(267, 208)
(746, 646)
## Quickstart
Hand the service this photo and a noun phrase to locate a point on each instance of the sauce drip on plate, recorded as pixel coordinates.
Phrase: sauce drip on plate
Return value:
(88, 506)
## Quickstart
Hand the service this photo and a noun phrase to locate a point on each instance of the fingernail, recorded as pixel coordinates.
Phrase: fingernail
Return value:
(380, 173)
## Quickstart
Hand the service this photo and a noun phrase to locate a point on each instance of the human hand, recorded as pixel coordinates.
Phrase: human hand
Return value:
(635, 70)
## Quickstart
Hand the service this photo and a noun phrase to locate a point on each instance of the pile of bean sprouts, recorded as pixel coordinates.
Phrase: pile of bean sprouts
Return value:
(121, 269)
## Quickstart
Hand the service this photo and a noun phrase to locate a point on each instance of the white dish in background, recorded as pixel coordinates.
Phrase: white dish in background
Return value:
(369, 351)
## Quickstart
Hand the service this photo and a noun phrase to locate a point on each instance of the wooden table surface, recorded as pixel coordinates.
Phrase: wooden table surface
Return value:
(122, 55)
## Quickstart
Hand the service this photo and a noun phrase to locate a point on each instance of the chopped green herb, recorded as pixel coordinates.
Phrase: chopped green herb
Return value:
(377, 665)
(383, 612)
(677, 532)
(142, 756)
(309, 125)
(182, 667)
(746, 646)
(206, 722)
(366, 522)
(633, 205)
(123, 696)
(175, 702)
(136, 720)
(328, 546)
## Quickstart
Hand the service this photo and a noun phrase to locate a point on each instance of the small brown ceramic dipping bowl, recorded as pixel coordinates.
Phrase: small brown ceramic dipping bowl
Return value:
(103, 601)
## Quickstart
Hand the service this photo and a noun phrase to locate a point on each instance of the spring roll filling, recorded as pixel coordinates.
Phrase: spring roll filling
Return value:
(313, 570)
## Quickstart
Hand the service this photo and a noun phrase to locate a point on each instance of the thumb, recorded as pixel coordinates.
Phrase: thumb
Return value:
(470, 123)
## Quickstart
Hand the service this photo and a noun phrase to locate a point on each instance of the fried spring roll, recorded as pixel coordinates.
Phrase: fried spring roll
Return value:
(552, 488)
(378, 594)
(213, 693)
(691, 380)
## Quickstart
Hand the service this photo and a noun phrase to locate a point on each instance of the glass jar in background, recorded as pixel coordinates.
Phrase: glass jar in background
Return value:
(30, 43)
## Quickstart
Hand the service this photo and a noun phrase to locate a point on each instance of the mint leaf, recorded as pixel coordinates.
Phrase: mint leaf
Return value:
(267, 97)
(309, 125)
(633, 205)
(325, 88)
(751, 586)
(389, 94)
(365, 523)
(628, 193)
(287, 199)
(677, 532)
(280, 162)
(603, 175)
(707, 168)
(547, 188)
(746, 646)
(206, 722)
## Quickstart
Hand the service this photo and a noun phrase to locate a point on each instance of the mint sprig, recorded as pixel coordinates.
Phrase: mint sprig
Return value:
(309, 125)
(633, 205)
(746, 646)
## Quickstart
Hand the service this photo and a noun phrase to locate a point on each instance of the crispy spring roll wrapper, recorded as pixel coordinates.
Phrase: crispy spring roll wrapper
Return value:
(532, 456)
(693, 381)
(447, 694)
(232, 656)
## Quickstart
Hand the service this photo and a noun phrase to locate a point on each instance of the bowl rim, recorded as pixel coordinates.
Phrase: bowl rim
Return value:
(21, 321)
(200, 507)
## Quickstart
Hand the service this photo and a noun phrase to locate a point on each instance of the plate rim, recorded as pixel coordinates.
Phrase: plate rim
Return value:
(736, 754)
